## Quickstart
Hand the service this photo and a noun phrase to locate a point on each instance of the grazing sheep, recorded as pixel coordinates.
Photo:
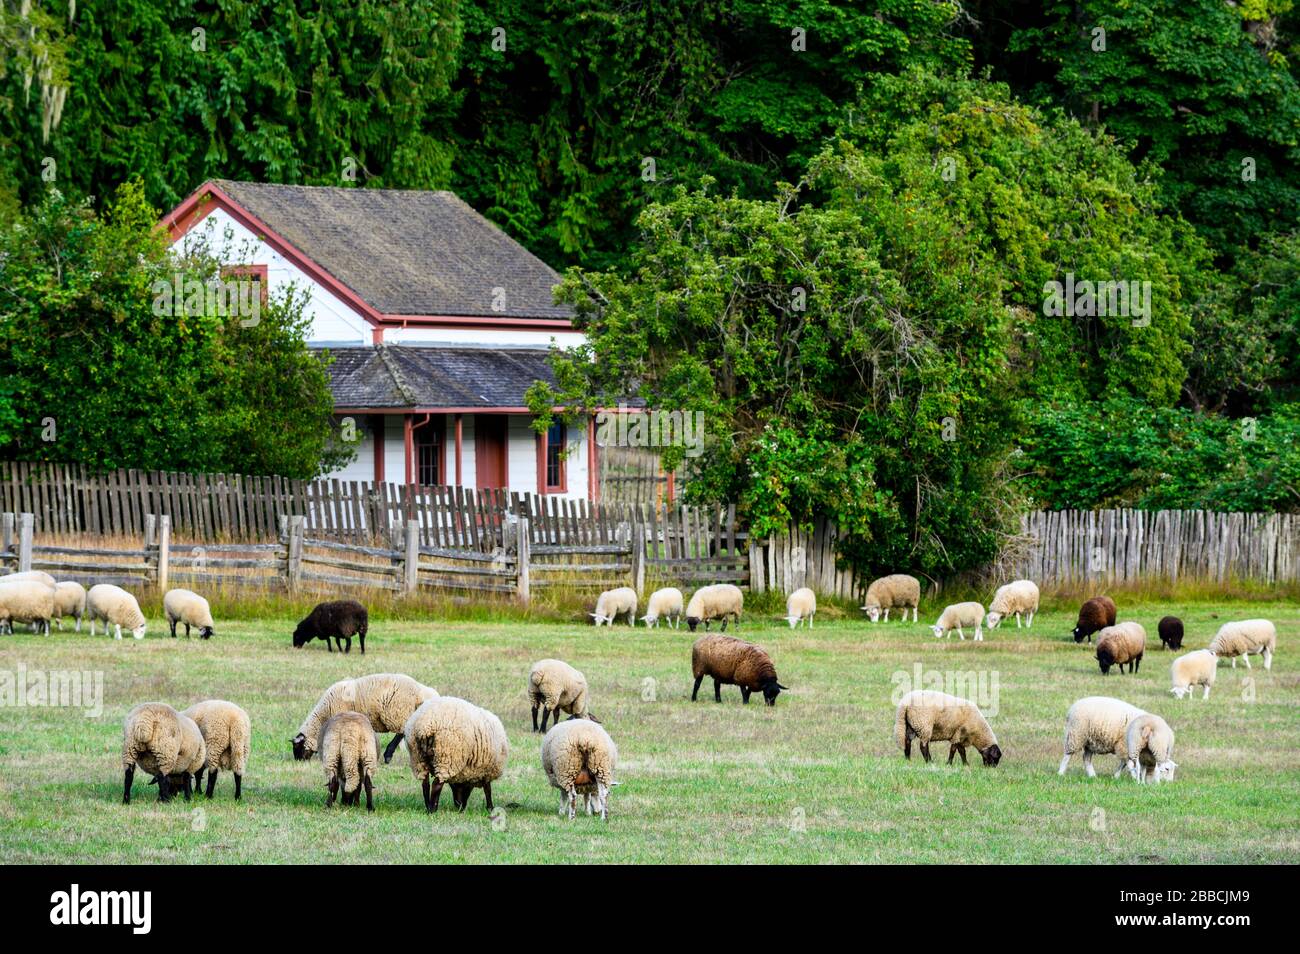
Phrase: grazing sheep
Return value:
(1197, 668)
(614, 603)
(455, 743)
(338, 619)
(349, 749)
(1095, 614)
(69, 600)
(386, 698)
(931, 716)
(1170, 629)
(30, 575)
(1244, 637)
(891, 592)
(1119, 644)
(736, 663)
(1019, 597)
(227, 735)
(578, 758)
(665, 603)
(184, 606)
(802, 604)
(164, 743)
(554, 685)
(957, 616)
(1150, 744)
(1095, 725)
(28, 601)
(718, 601)
(114, 605)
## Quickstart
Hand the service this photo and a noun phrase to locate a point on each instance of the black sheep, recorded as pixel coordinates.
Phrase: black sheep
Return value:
(1097, 613)
(339, 619)
(1171, 632)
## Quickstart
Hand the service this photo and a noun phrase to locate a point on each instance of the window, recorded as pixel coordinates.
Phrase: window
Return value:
(429, 456)
(250, 273)
(554, 459)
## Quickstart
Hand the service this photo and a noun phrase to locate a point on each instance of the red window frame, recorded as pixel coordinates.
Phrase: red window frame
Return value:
(544, 459)
(256, 272)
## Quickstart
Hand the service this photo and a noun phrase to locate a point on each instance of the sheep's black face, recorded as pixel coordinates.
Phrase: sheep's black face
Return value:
(301, 636)
(300, 753)
(992, 755)
(771, 689)
(1078, 634)
(692, 622)
(206, 632)
(1105, 660)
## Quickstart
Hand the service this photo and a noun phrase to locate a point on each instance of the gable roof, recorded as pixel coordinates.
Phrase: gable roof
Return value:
(431, 378)
(401, 253)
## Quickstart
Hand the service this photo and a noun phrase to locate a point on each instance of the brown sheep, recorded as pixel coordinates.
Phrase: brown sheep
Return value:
(736, 663)
(1095, 614)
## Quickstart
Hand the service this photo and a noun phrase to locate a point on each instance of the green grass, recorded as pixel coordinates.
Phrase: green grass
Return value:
(815, 779)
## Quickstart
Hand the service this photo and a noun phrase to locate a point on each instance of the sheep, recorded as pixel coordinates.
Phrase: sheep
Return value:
(455, 743)
(578, 757)
(227, 734)
(554, 685)
(349, 749)
(338, 619)
(736, 663)
(931, 716)
(69, 600)
(1197, 668)
(1170, 629)
(614, 603)
(184, 606)
(1095, 725)
(28, 601)
(718, 601)
(386, 698)
(801, 604)
(1019, 597)
(1119, 644)
(164, 743)
(891, 592)
(1244, 637)
(1096, 613)
(665, 603)
(114, 605)
(30, 575)
(957, 616)
(1150, 745)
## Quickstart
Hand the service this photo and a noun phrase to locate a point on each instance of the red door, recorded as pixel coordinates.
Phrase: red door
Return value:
(490, 451)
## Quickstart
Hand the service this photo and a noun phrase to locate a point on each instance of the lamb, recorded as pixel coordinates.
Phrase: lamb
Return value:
(555, 685)
(1197, 668)
(891, 592)
(718, 601)
(736, 663)
(931, 716)
(801, 604)
(338, 619)
(1095, 614)
(184, 606)
(614, 603)
(957, 616)
(578, 757)
(28, 601)
(1095, 725)
(164, 743)
(1019, 597)
(1150, 744)
(1120, 644)
(1170, 629)
(666, 603)
(1244, 637)
(386, 698)
(349, 749)
(454, 742)
(227, 735)
(69, 600)
(114, 605)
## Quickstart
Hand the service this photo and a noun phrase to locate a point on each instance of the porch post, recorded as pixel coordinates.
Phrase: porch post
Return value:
(593, 491)
(378, 424)
(458, 448)
(409, 430)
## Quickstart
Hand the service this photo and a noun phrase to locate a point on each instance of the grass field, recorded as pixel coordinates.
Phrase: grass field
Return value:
(816, 779)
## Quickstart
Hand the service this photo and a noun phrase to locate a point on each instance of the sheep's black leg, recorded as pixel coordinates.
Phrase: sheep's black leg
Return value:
(487, 794)
(370, 794)
(925, 751)
(744, 695)
(425, 788)
(185, 788)
(534, 717)
(717, 691)
(952, 752)
(724, 623)
(437, 794)
(696, 690)
(1137, 663)
(164, 789)
(392, 747)
(361, 637)
(328, 644)
(187, 630)
(348, 648)
(963, 756)
(173, 625)
(334, 790)
(239, 782)
(212, 782)
(546, 714)
(907, 743)
(126, 784)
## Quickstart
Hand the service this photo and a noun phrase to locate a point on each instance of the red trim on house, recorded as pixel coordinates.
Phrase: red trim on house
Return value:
(377, 422)
(409, 440)
(459, 478)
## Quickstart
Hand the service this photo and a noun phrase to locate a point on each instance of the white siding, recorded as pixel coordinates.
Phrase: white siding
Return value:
(522, 451)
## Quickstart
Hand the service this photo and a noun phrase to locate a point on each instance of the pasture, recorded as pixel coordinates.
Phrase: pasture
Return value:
(818, 778)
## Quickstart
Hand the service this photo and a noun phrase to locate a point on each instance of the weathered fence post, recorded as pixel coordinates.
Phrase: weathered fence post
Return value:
(521, 563)
(638, 558)
(25, 521)
(7, 530)
(164, 550)
(150, 536)
(412, 564)
(293, 557)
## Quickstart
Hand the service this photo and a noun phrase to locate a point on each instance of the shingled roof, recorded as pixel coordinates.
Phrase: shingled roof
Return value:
(403, 376)
(406, 252)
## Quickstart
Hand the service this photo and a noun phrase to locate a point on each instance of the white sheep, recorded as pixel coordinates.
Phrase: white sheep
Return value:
(957, 616)
(666, 603)
(30, 575)
(891, 592)
(555, 686)
(186, 606)
(1244, 637)
(1096, 725)
(578, 758)
(386, 698)
(717, 601)
(1150, 745)
(928, 715)
(1019, 597)
(801, 605)
(454, 742)
(114, 605)
(162, 742)
(614, 603)
(227, 734)
(349, 753)
(28, 601)
(1197, 668)
(69, 600)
